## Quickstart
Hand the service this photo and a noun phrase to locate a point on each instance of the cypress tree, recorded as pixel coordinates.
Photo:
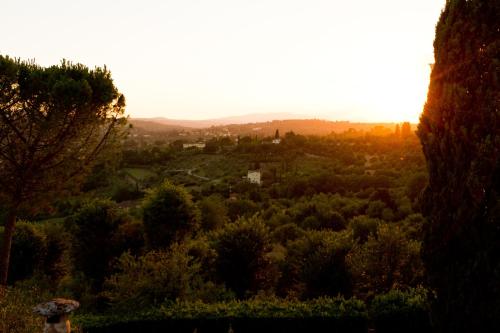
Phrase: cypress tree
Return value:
(460, 134)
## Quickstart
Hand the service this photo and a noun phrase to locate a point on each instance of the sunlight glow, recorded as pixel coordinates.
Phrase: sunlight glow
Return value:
(358, 60)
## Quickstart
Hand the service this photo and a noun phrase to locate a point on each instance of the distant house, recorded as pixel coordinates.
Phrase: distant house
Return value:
(193, 145)
(277, 141)
(253, 176)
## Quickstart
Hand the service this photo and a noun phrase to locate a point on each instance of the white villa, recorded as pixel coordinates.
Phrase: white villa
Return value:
(253, 176)
(193, 145)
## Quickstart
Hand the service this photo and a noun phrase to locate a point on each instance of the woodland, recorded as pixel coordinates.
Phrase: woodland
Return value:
(228, 229)
(335, 222)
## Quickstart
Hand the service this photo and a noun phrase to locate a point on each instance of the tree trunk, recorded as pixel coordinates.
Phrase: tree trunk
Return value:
(6, 245)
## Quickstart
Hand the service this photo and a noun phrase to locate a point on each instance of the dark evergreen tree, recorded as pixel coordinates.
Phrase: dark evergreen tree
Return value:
(460, 135)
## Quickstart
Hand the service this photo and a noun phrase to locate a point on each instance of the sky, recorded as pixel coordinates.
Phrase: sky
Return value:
(358, 60)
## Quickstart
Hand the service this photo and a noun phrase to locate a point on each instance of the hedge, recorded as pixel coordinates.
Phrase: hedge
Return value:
(399, 311)
(395, 311)
(324, 314)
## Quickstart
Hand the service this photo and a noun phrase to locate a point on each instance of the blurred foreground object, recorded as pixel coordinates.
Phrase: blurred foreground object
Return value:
(56, 313)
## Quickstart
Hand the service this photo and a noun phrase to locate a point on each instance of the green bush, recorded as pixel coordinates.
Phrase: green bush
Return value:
(27, 253)
(130, 237)
(399, 311)
(153, 278)
(324, 307)
(241, 255)
(266, 315)
(57, 261)
(287, 233)
(387, 260)
(363, 226)
(240, 208)
(94, 228)
(213, 212)
(169, 215)
(315, 266)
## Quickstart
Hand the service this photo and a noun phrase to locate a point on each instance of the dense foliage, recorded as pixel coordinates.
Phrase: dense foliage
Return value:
(395, 311)
(54, 124)
(169, 215)
(460, 134)
(334, 216)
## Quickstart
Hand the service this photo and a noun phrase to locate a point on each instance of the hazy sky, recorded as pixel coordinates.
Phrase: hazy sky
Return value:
(360, 60)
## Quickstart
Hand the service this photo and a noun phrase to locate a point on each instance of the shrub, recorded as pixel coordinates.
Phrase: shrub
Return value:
(363, 226)
(241, 262)
(213, 212)
(130, 237)
(169, 215)
(151, 279)
(27, 253)
(94, 228)
(56, 262)
(262, 315)
(315, 266)
(269, 308)
(399, 311)
(241, 208)
(385, 261)
(376, 209)
(286, 233)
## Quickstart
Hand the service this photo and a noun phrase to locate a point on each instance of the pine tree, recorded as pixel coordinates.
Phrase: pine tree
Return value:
(460, 135)
(54, 124)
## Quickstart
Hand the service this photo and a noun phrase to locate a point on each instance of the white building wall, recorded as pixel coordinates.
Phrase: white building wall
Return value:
(253, 176)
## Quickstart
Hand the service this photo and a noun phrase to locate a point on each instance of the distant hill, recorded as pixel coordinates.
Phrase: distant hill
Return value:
(236, 126)
(244, 119)
(308, 127)
(151, 125)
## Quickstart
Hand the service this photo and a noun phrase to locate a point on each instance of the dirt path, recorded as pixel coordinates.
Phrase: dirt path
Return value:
(189, 172)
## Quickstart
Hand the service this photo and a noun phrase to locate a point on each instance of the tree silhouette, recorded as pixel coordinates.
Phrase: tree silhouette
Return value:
(460, 135)
(397, 131)
(54, 122)
(241, 262)
(405, 130)
(169, 215)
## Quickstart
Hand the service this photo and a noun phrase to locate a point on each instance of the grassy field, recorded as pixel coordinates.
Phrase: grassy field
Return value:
(140, 173)
(210, 166)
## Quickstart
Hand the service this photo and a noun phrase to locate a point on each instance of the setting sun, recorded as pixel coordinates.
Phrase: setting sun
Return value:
(396, 94)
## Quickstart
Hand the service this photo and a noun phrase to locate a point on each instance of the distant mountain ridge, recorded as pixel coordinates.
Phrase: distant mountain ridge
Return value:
(244, 126)
(152, 125)
(244, 119)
